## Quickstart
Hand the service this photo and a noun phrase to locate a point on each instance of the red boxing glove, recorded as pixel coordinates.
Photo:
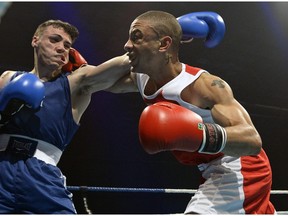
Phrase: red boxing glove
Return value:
(165, 126)
(76, 60)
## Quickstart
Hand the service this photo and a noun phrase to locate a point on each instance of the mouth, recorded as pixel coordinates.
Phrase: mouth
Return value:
(61, 59)
(131, 59)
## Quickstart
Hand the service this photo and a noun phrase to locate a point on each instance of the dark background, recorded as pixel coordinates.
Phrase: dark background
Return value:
(106, 152)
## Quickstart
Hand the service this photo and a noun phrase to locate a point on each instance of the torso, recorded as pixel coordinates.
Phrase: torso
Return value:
(180, 90)
(53, 122)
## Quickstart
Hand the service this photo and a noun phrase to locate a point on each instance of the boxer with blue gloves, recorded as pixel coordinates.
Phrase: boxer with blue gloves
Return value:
(194, 115)
(40, 113)
(25, 89)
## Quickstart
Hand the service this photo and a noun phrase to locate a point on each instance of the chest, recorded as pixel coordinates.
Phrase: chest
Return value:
(189, 93)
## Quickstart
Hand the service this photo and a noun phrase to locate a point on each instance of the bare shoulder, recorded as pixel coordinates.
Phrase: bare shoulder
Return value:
(5, 77)
(7, 73)
(211, 82)
(213, 88)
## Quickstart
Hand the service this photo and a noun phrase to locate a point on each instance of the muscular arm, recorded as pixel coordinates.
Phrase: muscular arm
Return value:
(89, 79)
(125, 84)
(242, 136)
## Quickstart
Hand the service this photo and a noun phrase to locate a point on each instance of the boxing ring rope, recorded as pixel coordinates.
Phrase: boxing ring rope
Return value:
(148, 190)
(145, 190)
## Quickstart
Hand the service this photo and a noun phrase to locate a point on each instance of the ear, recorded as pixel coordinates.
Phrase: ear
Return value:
(35, 40)
(166, 42)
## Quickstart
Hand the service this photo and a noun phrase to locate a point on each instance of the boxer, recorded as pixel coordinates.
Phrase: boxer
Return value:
(44, 107)
(194, 115)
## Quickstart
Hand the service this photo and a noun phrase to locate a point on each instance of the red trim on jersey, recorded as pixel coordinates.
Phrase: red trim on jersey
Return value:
(192, 70)
(189, 69)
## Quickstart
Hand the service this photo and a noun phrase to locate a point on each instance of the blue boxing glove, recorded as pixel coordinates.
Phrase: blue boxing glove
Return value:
(207, 25)
(25, 89)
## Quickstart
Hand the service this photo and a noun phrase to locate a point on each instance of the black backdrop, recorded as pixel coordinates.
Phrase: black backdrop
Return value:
(105, 151)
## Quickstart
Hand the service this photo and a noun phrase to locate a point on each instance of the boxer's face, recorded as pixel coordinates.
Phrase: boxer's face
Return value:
(52, 47)
(142, 46)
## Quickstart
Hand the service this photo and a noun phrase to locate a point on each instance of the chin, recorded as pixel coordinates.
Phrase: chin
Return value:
(57, 72)
(133, 69)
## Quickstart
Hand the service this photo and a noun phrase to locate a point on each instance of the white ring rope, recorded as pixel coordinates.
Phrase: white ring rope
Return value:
(146, 190)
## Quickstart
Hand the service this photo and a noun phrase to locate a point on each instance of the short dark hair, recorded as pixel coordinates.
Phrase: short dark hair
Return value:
(165, 24)
(67, 27)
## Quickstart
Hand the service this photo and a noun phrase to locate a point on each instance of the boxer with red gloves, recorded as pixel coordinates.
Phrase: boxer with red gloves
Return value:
(165, 126)
(33, 137)
(193, 114)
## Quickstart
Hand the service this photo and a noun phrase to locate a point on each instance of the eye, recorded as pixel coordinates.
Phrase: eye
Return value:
(67, 45)
(54, 39)
(136, 37)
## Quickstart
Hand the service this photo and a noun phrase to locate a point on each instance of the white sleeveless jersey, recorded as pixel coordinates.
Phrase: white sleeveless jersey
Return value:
(171, 91)
(231, 185)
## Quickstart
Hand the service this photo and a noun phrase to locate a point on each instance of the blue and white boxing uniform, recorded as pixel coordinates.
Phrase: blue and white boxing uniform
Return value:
(31, 144)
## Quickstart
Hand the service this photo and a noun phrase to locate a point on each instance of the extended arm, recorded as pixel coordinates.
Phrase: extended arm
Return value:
(125, 84)
(90, 79)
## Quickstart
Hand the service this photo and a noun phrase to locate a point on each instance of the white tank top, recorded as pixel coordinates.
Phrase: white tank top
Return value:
(171, 91)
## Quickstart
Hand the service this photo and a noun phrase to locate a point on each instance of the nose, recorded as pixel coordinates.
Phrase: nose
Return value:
(128, 46)
(61, 48)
